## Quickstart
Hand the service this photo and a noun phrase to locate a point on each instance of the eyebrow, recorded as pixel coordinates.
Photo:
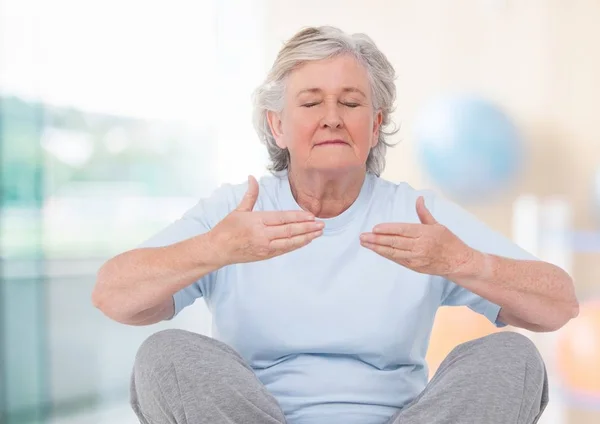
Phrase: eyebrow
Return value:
(345, 90)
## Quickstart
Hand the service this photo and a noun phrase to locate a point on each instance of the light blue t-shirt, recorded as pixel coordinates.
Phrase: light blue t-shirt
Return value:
(334, 331)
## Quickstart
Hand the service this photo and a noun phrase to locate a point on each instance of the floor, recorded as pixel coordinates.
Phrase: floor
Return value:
(113, 414)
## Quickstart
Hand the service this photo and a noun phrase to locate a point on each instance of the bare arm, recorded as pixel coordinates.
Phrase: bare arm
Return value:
(534, 295)
(137, 287)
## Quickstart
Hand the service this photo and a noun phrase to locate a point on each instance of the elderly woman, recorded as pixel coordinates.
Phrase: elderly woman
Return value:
(324, 279)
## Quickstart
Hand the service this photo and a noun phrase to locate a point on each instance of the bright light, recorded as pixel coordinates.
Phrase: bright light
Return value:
(122, 57)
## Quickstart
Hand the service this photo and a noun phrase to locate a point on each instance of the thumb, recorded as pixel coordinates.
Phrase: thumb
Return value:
(249, 199)
(424, 215)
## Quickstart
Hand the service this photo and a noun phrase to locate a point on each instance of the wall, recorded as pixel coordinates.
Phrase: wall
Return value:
(538, 59)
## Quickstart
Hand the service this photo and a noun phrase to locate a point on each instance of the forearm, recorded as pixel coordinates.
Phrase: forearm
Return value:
(135, 283)
(535, 295)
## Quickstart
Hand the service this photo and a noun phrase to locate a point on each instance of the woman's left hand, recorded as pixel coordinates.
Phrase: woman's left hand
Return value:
(428, 247)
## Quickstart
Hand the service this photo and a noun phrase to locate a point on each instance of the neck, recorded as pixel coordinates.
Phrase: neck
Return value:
(326, 195)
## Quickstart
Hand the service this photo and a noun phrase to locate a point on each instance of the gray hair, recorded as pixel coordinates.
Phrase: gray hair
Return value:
(317, 43)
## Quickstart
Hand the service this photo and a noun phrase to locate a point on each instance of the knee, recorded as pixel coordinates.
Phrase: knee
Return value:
(159, 350)
(517, 359)
(511, 348)
(178, 348)
(512, 342)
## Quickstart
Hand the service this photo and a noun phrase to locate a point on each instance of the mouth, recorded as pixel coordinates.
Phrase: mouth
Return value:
(331, 142)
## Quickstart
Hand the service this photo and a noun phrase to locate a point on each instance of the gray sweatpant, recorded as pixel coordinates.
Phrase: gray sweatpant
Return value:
(181, 377)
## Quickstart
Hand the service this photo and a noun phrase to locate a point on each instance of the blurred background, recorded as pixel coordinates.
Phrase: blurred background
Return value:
(116, 116)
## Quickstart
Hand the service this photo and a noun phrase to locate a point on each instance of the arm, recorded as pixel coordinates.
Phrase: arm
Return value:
(534, 295)
(480, 267)
(137, 287)
(152, 283)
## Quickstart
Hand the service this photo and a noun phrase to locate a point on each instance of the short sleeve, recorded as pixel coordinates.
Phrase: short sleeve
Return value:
(197, 220)
(479, 236)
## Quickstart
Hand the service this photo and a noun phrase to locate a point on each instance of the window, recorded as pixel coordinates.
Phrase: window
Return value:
(115, 117)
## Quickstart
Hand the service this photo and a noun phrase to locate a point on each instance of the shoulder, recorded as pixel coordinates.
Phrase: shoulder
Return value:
(465, 224)
(225, 198)
(401, 194)
(232, 193)
(402, 197)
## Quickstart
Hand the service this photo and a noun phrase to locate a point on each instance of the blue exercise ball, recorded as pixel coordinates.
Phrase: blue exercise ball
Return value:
(468, 146)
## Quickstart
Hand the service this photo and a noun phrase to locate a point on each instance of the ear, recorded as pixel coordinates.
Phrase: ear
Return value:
(376, 125)
(276, 127)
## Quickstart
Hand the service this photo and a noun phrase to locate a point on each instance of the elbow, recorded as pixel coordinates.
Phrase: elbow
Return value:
(574, 309)
(572, 304)
(99, 291)
(569, 308)
(562, 317)
(104, 301)
(102, 296)
(98, 298)
(110, 300)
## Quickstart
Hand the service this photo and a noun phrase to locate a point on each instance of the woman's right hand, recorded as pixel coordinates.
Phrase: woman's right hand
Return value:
(247, 236)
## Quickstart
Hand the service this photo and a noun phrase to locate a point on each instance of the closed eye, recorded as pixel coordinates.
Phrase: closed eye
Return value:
(351, 104)
(310, 104)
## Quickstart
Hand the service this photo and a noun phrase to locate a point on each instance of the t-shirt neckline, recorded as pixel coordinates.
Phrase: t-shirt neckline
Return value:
(336, 223)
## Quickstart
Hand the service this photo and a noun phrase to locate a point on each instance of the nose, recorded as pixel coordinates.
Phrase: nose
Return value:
(332, 118)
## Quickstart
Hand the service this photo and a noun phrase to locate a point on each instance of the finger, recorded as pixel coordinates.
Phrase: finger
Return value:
(399, 229)
(248, 201)
(293, 229)
(396, 242)
(387, 251)
(285, 217)
(284, 245)
(424, 215)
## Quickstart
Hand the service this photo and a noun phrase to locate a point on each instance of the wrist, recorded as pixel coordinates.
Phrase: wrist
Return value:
(475, 267)
(210, 245)
(203, 251)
